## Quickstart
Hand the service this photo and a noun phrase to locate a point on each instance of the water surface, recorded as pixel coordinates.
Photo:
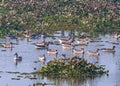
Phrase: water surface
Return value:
(30, 62)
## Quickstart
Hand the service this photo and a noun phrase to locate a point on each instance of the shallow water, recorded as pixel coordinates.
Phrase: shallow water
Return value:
(30, 62)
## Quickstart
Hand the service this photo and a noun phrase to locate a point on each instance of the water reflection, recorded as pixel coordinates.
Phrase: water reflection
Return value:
(73, 81)
(16, 62)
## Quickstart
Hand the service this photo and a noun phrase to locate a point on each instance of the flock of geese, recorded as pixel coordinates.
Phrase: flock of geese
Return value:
(66, 43)
(70, 43)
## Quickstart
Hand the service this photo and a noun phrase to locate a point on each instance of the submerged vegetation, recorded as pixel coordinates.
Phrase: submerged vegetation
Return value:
(43, 15)
(71, 67)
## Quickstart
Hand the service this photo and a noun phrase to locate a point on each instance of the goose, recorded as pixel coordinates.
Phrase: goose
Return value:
(42, 44)
(109, 49)
(17, 57)
(7, 45)
(67, 46)
(26, 33)
(79, 51)
(67, 41)
(49, 51)
(116, 35)
(93, 53)
(62, 40)
(42, 58)
(82, 42)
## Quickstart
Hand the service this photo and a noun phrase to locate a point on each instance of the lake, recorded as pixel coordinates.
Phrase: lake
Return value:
(12, 73)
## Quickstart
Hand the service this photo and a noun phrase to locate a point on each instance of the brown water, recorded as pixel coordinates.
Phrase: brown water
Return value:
(30, 62)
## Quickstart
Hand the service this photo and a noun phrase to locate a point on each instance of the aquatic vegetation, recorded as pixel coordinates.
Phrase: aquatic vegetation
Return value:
(48, 16)
(71, 67)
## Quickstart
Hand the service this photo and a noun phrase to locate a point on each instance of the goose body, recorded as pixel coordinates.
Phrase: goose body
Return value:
(42, 44)
(93, 53)
(116, 35)
(17, 57)
(82, 42)
(26, 35)
(109, 49)
(49, 51)
(67, 41)
(67, 46)
(79, 51)
(42, 58)
(7, 45)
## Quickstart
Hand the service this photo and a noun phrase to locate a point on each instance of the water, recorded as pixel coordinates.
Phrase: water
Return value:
(30, 62)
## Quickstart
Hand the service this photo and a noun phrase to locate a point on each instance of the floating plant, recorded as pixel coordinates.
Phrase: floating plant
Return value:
(71, 67)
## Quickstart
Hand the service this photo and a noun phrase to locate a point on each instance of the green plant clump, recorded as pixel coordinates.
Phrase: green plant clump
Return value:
(72, 67)
(50, 15)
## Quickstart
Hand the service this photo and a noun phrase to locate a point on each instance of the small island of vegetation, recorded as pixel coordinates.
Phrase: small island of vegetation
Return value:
(71, 67)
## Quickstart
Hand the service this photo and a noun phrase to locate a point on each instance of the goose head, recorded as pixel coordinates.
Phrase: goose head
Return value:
(97, 49)
(16, 54)
(113, 47)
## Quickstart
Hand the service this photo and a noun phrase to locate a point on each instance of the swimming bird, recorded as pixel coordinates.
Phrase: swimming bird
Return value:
(42, 58)
(116, 35)
(17, 57)
(49, 51)
(67, 46)
(66, 41)
(93, 53)
(82, 42)
(42, 44)
(7, 45)
(79, 51)
(109, 49)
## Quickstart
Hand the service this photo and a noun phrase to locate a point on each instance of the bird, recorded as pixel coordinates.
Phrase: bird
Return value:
(67, 46)
(42, 44)
(93, 53)
(109, 49)
(116, 35)
(17, 57)
(49, 51)
(7, 45)
(66, 41)
(79, 51)
(42, 58)
(82, 42)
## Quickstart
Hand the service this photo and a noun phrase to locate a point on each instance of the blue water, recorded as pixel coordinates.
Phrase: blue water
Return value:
(30, 54)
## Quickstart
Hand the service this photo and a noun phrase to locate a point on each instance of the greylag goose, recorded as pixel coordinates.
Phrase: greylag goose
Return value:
(79, 51)
(42, 58)
(66, 41)
(7, 45)
(82, 42)
(49, 51)
(116, 35)
(93, 53)
(42, 44)
(17, 57)
(109, 49)
(67, 46)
